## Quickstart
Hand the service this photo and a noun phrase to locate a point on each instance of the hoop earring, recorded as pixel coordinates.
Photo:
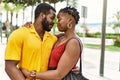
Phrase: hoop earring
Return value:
(69, 26)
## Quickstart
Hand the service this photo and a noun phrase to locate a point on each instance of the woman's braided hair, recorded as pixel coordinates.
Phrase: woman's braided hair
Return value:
(72, 11)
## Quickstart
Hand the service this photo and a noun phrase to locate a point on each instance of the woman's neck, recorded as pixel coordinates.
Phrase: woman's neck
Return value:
(69, 34)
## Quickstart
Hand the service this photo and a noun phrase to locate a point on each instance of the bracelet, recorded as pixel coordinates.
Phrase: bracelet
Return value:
(33, 74)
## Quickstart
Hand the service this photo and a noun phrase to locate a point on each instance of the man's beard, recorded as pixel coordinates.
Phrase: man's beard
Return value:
(45, 25)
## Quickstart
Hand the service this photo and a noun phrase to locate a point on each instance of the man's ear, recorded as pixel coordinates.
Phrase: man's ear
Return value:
(42, 15)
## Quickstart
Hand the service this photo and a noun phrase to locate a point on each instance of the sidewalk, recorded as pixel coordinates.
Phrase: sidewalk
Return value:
(96, 40)
(91, 63)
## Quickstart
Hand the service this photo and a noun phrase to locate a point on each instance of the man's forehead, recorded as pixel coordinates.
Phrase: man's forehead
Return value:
(52, 12)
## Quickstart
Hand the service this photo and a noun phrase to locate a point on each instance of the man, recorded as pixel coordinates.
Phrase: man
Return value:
(30, 48)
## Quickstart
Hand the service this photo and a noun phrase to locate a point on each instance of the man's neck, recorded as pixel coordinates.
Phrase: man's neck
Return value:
(39, 30)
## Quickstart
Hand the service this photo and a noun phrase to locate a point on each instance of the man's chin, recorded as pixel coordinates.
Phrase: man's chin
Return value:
(48, 30)
(50, 27)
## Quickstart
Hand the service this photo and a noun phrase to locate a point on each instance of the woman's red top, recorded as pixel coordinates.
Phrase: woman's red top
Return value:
(56, 55)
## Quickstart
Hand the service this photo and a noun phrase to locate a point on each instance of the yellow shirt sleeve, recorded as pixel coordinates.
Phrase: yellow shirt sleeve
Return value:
(14, 46)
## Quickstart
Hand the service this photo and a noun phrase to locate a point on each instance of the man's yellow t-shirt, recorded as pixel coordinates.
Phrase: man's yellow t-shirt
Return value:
(25, 45)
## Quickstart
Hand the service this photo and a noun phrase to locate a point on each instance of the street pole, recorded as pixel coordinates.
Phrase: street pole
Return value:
(41, 1)
(119, 63)
(1, 26)
(103, 38)
(67, 2)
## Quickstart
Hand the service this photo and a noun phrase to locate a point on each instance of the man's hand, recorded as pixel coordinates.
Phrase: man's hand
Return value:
(25, 72)
(29, 74)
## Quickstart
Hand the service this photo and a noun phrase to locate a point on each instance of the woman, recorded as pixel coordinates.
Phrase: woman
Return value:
(66, 51)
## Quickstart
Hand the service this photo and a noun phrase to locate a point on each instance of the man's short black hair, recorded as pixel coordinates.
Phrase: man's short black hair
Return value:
(43, 8)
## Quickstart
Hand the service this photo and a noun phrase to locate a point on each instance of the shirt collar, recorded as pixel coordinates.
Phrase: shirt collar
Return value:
(32, 29)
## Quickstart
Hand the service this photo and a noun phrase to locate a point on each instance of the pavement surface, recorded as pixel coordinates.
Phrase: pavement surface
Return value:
(90, 62)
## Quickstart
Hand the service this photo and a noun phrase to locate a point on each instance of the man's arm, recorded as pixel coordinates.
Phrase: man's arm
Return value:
(13, 72)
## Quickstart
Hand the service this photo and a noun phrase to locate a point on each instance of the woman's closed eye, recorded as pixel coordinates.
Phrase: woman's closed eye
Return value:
(59, 20)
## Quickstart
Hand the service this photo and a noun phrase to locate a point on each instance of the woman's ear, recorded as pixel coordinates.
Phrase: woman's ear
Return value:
(70, 21)
(69, 25)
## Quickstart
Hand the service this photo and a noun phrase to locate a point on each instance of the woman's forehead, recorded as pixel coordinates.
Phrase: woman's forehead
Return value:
(62, 14)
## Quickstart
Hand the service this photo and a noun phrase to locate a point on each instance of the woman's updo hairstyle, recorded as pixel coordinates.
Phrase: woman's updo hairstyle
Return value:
(72, 11)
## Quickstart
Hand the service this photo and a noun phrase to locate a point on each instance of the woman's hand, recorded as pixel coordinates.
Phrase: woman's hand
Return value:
(28, 24)
(76, 70)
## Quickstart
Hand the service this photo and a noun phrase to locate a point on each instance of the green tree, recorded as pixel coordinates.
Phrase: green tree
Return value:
(16, 9)
(31, 3)
(73, 3)
(53, 1)
(116, 25)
